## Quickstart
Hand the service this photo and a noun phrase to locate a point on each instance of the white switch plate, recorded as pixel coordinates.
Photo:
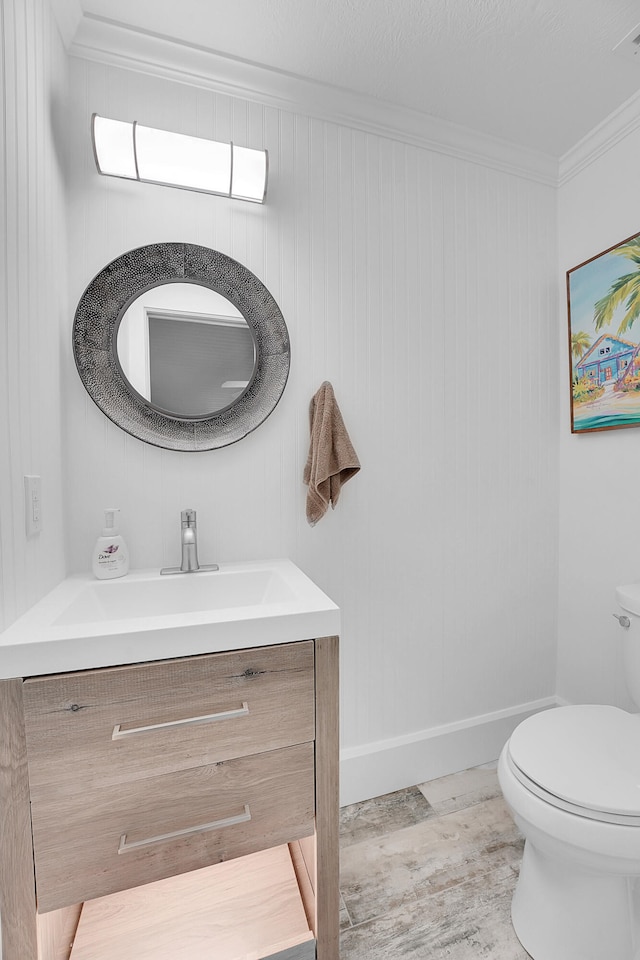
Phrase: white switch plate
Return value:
(33, 504)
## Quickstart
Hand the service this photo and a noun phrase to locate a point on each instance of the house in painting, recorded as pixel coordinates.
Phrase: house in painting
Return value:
(608, 360)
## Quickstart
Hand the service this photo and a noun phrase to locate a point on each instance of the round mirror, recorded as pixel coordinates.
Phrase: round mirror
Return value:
(181, 346)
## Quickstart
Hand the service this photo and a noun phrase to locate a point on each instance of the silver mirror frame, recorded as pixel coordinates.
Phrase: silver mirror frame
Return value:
(95, 328)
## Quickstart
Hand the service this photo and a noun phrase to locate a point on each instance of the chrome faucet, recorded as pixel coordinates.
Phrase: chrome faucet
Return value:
(189, 542)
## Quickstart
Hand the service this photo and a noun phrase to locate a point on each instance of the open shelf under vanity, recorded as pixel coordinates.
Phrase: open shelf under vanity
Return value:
(250, 908)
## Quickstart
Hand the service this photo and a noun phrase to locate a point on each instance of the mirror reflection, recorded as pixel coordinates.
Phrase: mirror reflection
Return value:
(185, 349)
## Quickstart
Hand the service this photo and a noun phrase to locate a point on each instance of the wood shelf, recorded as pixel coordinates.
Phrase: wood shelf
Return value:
(245, 909)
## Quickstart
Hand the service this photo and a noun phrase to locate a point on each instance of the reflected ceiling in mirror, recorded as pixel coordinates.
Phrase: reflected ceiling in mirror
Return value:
(185, 349)
(181, 346)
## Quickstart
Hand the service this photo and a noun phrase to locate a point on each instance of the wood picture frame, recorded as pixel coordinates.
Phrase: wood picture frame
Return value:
(603, 300)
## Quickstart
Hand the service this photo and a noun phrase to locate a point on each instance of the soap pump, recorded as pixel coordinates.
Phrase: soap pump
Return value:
(110, 554)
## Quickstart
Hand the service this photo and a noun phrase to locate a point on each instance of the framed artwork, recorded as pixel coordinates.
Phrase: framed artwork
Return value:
(603, 296)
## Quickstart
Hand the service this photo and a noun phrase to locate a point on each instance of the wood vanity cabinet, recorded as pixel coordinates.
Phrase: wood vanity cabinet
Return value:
(123, 776)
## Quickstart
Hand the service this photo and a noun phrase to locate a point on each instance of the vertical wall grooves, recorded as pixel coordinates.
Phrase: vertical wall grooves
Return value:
(34, 299)
(409, 279)
(6, 540)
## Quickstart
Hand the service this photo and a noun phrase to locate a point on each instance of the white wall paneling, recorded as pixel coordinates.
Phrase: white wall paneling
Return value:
(417, 269)
(33, 297)
(598, 207)
(424, 287)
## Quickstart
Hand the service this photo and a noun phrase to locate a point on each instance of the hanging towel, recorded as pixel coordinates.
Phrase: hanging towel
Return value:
(332, 460)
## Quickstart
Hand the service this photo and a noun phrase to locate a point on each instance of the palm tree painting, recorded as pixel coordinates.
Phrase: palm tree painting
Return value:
(624, 291)
(580, 343)
(604, 339)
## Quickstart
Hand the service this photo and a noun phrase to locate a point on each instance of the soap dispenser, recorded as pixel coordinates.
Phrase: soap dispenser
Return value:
(110, 554)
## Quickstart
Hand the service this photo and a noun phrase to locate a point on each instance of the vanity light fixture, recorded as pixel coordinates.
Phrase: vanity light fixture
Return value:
(135, 152)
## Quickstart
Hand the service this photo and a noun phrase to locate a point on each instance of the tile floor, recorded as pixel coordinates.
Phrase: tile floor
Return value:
(428, 873)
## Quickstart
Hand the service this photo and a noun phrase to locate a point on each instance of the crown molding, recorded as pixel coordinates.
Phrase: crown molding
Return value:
(68, 15)
(117, 44)
(616, 127)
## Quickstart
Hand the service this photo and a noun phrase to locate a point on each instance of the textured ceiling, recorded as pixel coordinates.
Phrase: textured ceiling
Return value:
(539, 73)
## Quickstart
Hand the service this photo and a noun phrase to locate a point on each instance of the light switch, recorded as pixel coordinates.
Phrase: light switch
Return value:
(33, 504)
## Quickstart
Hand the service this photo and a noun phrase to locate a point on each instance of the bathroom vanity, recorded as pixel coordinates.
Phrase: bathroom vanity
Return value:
(180, 806)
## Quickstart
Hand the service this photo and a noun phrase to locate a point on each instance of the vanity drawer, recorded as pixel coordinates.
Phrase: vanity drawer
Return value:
(94, 843)
(105, 727)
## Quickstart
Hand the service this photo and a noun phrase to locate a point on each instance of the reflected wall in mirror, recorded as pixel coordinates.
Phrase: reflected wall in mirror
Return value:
(181, 346)
(185, 349)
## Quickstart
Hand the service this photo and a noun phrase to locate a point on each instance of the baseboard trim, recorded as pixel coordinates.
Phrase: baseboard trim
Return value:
(386, 765)
(563, 702)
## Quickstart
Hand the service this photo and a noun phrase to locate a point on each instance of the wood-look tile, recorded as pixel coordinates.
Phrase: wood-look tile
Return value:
(404, 868)
(373, 881)
(464, 922)
(382, 815)
(459, 790)
(345, 919)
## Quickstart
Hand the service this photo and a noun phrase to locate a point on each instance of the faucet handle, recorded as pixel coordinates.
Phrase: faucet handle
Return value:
(188, 516)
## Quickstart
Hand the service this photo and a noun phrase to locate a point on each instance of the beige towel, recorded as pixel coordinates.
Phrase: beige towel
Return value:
(332, 460)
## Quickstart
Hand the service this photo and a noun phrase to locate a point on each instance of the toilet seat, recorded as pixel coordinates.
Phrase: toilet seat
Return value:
(583, 759)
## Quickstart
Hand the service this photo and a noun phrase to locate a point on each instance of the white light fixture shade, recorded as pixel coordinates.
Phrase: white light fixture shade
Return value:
(188, 162)
(158, 156)
(249, 181)
(113, 147)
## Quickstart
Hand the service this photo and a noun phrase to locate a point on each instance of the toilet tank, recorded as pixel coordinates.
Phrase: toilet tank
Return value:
(628, 598)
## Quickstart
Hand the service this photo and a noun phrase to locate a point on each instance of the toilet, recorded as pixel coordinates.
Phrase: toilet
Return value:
(571, 779)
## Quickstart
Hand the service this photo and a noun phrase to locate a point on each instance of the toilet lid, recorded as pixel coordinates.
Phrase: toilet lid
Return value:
(587, 756)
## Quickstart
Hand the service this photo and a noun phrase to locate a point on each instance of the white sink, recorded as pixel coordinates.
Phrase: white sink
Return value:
(161, 596)
(87, 623)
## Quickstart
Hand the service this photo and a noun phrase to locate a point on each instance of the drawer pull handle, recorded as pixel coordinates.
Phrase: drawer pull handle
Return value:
(201, 828)
(242, 711)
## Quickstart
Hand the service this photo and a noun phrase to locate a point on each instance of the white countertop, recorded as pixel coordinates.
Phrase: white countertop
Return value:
(80, 624)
